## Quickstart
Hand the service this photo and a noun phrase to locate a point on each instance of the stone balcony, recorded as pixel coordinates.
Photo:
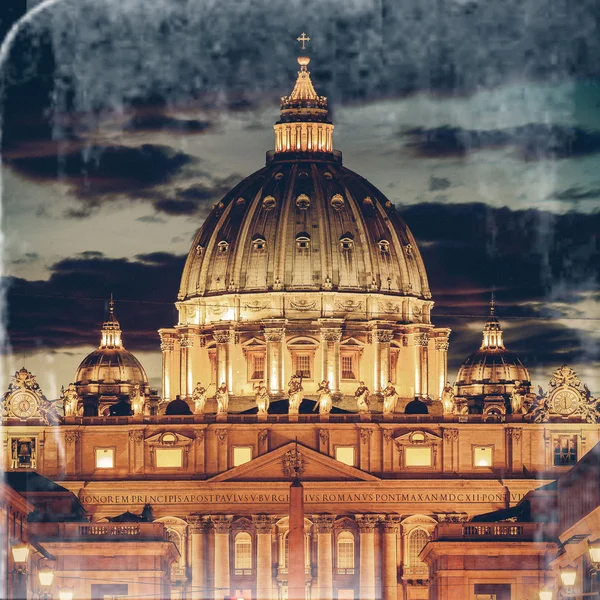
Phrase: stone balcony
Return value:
(509, 532)
(97, 532)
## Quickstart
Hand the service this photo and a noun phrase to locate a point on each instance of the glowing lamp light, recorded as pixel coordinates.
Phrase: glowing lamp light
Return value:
(594, 550)
(545, 594)
(20, 554)
(568, 576)
(46, 577)
(65, 594)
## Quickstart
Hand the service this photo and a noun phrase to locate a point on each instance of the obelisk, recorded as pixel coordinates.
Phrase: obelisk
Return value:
(296, 560)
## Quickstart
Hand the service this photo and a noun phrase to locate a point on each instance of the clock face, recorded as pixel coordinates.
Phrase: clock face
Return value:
(23, 405)
(565, 402)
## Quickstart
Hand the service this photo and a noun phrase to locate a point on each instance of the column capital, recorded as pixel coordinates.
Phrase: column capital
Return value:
(390, 523)
(323, 523)
(186, 340)
(263, 523)
(421, 339)
(367, 523)
(197, 524)
(221, 523)
(223, 336)
(450, 434)
(442, 343)
(382, 336)
(331, 334)
(274, 334)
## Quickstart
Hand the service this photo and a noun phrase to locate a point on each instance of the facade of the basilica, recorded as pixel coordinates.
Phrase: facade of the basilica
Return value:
(304, 347)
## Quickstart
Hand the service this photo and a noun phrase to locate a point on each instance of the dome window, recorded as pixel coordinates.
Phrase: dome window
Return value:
(258, 242)
(368, 201)
(278, 176)
(303, 241)
(347, 241)
(199, 250)
(384, 246)
(223, 247)
(337, 202)
(303, 202)
(303, 174)
(327, 175)
(269, 202)
(240, 202)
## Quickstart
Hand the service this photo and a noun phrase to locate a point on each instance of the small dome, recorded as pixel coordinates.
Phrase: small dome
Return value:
(110, 371)
(492, 363)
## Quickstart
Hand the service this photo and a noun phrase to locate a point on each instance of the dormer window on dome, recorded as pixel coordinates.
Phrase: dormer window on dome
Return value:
(303, 241)
(347, 241)
(258, 242)
(269, 202)
(337, 202)
(303, 202)
(222, 247)
(384, 246)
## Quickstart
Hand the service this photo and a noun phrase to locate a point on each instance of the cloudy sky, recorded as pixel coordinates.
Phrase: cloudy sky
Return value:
(124, 121)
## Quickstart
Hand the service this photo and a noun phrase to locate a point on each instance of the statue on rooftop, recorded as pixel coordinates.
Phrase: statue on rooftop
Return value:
(262, 397)
(390, 397)
(199, 398)
(70, 399)
(362, 398)
(325, 403)
(295, 394)
(222, 398)
(448, 399)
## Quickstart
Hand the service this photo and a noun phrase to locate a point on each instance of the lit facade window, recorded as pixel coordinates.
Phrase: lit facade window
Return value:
(417, 540)
(349, 363)
(345, 454)
(256, 366)
(105, 458)
(565, 450)
(169, 458)
(418, 456)
(243, 553)
(482, 456)
(303, 365)
(345, 552)
(241, 455)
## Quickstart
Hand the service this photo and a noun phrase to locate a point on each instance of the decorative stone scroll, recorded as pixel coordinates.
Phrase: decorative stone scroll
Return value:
(383, 335)
(367, 523)
(221, 523)
(263, 523)
(302, 304)
(323, 523)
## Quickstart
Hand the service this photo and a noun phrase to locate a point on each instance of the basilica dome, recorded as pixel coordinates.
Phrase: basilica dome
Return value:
(111, 372)
(304, 221)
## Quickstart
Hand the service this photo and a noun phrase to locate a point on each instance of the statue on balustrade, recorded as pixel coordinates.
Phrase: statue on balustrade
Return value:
(295, 394)
(517, 398)
(199, 398)
(324, 403)
(448, 399)
(362, 398)
(136, 400)
(262, 397)
(70, 399)
(390, 397)
(222, 398)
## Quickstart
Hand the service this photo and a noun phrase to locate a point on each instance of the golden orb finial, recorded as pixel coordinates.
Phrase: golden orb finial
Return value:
(303, 60)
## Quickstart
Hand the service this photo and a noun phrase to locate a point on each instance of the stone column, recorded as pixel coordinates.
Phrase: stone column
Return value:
(381, 340)
(389, 562)
(366, 528)
(441, 349)
(221, 524)
(274, 337)
(324, 529)
(167, 346)
(223, 337)
(421, 344)
(330, 337)
(186, 342)
(199, 547)
(264, 577)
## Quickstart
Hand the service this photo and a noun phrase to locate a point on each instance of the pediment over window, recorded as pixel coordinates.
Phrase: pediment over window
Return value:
(352, 343)
(416, 437)
(314, 467)
(168, 439)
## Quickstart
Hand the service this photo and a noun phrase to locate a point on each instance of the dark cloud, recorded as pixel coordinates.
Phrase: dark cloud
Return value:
(575, 194)
(151, 219)
(161, 122)
(68, 309)
(26, 258)
(535, 141)
(196, 199)
(438, 183)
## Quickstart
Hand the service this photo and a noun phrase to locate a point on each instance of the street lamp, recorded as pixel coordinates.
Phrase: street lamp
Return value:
(594, 552)
(20, 555)
(545, 594)
(65, 593)
(568, 576)
(46, 577)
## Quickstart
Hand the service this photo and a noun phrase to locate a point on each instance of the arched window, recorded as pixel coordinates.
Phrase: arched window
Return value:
(243, 553)
(417, 540)
(223, 246)
(303, 241)
(345, 552)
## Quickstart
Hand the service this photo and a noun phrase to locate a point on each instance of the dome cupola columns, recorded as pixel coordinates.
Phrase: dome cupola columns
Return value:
(304, 125)
(492, 332)
(111, 330)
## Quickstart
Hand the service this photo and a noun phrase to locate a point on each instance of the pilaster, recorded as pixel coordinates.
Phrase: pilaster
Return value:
(324, 528)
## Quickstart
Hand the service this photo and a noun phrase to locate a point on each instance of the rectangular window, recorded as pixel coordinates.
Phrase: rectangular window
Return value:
(169, 458)
(348, 366)
(105, 458)
(345, 595)
(417, 456)
(565, 450)
(492, 591)
(345, 454)
(303, 365)
(483, 456)
(257, 366)
(241, 455)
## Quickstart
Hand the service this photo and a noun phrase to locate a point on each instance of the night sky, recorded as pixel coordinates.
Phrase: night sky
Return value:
(123, 122)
